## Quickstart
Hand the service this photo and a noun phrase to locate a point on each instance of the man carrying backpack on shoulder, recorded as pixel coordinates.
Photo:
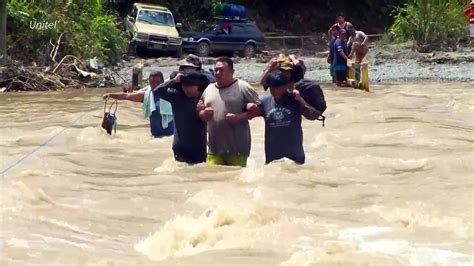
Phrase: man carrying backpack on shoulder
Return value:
(282, 113)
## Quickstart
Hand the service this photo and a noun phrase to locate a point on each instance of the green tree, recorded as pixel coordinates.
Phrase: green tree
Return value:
(3, 32)
(88, 29)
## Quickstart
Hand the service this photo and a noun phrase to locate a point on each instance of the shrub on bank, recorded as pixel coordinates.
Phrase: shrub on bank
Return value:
(431, 24)
(88, 30)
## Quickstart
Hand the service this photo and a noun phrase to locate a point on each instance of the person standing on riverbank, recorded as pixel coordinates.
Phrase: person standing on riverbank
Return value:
(156, 109)
(333, 34)
(357, 43)
(222, 106)
(469, 11)
(184, 92)
(341, 22)
(341, 58)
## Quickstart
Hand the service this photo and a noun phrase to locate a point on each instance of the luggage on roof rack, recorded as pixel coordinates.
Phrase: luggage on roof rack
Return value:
(232, 11)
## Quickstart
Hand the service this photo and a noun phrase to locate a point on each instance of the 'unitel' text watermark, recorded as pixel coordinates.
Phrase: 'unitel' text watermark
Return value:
(34, 25)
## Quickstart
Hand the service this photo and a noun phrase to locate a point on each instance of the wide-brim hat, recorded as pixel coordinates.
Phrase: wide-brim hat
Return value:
(190, 61)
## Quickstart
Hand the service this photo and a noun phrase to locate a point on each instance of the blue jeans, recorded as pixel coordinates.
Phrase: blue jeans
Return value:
(157, 129)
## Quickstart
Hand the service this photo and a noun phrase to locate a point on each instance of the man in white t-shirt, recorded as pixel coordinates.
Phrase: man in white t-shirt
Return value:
(223, 107)
(357, 43)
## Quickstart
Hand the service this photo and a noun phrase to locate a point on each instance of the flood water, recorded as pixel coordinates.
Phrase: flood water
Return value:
(387, 181)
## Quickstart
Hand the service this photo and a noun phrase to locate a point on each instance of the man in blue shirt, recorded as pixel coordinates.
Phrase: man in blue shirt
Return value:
(282, 114)
(340, 58)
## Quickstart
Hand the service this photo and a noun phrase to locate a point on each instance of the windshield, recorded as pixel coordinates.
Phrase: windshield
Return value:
(155, 17)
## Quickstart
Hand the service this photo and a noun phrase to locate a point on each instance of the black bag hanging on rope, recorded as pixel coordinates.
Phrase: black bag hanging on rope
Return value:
(109, 121)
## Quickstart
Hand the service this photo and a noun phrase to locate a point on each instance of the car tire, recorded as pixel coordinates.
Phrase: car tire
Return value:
(202, 49)
(132, 49)
(140, 51)
(249, 50)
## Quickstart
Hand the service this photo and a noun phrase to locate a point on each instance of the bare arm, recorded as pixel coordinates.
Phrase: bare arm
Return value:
(343, 55)
(293, 59)
(307, 110)
(233, 118)
(134, 96)
(253, 110)
(366, 39)
(329, 31)
(205, 114)
(270, 67)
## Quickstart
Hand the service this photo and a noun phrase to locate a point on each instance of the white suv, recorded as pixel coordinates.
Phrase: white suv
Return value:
(153, 27)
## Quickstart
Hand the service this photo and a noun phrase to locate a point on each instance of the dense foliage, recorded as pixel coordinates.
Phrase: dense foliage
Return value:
(431, 24)
(296, 17)
(89, 30)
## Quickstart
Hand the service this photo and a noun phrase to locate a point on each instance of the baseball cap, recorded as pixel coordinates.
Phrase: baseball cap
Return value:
(195, 78)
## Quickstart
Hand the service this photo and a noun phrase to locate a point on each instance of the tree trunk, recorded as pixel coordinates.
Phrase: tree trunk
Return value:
(3, 32)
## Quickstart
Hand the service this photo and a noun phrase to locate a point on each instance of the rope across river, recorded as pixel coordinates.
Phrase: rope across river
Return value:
(49, 140)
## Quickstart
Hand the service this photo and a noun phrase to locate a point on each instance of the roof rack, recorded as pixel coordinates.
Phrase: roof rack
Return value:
(238, 19)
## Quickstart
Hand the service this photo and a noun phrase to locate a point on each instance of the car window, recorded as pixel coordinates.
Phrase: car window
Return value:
(238, 29)
(253, 29)
(155, 17)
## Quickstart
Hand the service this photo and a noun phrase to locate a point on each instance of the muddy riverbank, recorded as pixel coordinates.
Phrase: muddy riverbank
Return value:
(391, 63)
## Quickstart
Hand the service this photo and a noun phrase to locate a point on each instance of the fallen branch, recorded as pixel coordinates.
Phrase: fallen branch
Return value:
(64, 58)
(54, 51)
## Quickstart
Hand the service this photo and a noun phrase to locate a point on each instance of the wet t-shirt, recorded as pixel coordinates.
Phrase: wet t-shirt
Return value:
(339, 63)
(190, 130)
(359, 38)
(283, 132)
(226, 137)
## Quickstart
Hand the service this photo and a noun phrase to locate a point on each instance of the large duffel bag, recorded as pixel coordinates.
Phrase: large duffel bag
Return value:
(313, 95)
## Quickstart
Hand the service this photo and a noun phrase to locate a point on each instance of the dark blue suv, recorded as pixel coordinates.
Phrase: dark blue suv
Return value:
(225, 36)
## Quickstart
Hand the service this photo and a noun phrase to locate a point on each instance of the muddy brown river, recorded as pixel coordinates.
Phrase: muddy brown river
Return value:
(387, 181)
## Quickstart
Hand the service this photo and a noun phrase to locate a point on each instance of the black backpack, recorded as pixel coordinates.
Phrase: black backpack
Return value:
(313, 94)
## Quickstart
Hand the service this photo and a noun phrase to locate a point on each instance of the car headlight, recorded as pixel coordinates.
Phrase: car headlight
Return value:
(188, 39)
(174, 40)
(141, 35)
